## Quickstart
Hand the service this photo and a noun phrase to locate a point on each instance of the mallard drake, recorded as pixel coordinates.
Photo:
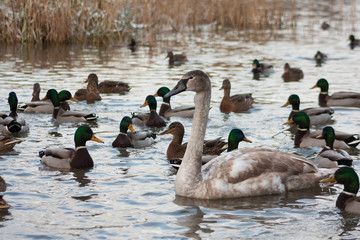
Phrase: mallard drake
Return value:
(109, 86)
(317, 115)
(7, 142)
(320, 58)
(3, 204)
(167, 111)
(347, 199)
(90, 94)
(67, 158)
(330, 157)
(338, 99)
(151, 120)
(236, 103)
(12, 123)
(262, 69)
(292, 74)
(239, 173)
(353, 41)
(62, 116)
(46, 105)
(134, 139)
(175, 59)
(305, 138)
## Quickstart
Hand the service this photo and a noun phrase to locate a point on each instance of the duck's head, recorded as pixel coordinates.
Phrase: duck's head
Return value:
(125, 124)
(286, 67)
(53, 95)
(328, 133)
(256, 63)
(323, 84)
(301, 119)
(161, 92)
(176, 129)
(84, 134)
(13, 101)
(92, 77)
(92, 87)
(151, 102)
(170, 55)
(65, 95)
(346, 176)
(226, 84)
(352, 37)
(294, 100)
(236, 136)
(36, 89)
(318, 55)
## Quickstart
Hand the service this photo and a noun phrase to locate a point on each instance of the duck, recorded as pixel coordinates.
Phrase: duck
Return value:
(46, 106)
(62, 116)
(166, 110)
(109, 86)
(292, 74)
(68, 158)
(317, 115)
(338, 99)
(12, 124)
(305, 138)
(320, 58)
(134, 139)
(239, 173)
(236, 103)
(3, 204)
(262, 69)
(353, 41)
(132, 45)
(330, 157)
(175, 59)
(325, 25)
(347, 200)
(151, 120)
(8, 142)
(36, 92)
(90, 94)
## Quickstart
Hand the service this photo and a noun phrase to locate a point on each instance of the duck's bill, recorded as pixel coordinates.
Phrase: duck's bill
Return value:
(289, 122)
(164, 132)
(93, 138)
(328, 181)
(44, 98)
(286, 104)
(247, 140)
(180, 87)
(131, 128)
(155, 95)
(144, 104)
(73, 99)
(320, 136)
(87, 80)
(315, 86)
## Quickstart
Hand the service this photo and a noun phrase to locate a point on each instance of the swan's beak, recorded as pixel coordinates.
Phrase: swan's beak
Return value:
(93, 138)
(286, 104)
(247, 140)
(131, 128)
(180, 87)
(164, 132)
(320, 136)
(315, 86)
(289, 122)
(73, 99)
(144, 104)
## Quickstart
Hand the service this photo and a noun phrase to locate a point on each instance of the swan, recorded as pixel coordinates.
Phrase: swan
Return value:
(239, 173)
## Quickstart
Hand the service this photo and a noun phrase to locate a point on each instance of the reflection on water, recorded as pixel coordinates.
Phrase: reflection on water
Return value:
(129, 193)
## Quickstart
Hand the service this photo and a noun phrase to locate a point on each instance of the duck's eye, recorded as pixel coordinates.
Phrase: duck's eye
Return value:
(191, 77)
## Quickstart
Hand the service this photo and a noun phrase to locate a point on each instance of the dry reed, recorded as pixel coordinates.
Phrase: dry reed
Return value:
(109, 21)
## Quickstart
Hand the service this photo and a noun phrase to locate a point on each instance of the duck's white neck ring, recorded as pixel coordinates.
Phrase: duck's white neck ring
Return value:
(122, 133)
(80, 147)
(165, 103)
(327, 147)
(349, 193)
(323, 92)
(302, 129)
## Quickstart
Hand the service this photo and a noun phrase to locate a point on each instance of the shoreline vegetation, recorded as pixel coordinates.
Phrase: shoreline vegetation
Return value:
(104, 22)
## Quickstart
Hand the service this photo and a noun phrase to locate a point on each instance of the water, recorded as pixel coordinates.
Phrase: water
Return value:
(129, 193)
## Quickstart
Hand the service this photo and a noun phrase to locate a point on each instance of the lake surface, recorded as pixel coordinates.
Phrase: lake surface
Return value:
(129, 194)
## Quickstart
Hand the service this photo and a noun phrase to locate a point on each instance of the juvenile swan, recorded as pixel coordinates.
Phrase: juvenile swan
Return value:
(246, 172)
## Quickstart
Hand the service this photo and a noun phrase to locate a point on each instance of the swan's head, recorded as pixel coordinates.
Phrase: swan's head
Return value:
(196, 81)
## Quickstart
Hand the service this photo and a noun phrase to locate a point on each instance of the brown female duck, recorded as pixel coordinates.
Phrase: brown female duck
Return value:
(175, 59)
(236, 103)
(292, 74)
(90, 94)
(109, 86)
(3, 204)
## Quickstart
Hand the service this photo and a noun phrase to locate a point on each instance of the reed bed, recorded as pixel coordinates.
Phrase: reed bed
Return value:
(112, 21)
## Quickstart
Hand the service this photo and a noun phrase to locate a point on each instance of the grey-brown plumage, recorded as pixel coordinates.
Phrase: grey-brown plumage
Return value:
(90, 94)
(109, 86)
(236, 103)
(175, 59)
(292, 74)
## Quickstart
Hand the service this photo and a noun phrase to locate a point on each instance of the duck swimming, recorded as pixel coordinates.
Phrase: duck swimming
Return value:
(353, 41)
(330, 157)
(292, 74)
(151, 120)
(347, 200)
(262, 69)
(236, 103)
(90, 94)
(68, 158)
(338, 99)
(239, 173)
(109, 86)
(3, 204)
(167, 111)
(305, 138)
(134, 139)
(176, 59)
(320, 58)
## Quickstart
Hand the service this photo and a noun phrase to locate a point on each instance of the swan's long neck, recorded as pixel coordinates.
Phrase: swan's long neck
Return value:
(189, 173)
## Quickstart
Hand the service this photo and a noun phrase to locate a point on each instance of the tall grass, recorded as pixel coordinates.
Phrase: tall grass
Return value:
(109, 21)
